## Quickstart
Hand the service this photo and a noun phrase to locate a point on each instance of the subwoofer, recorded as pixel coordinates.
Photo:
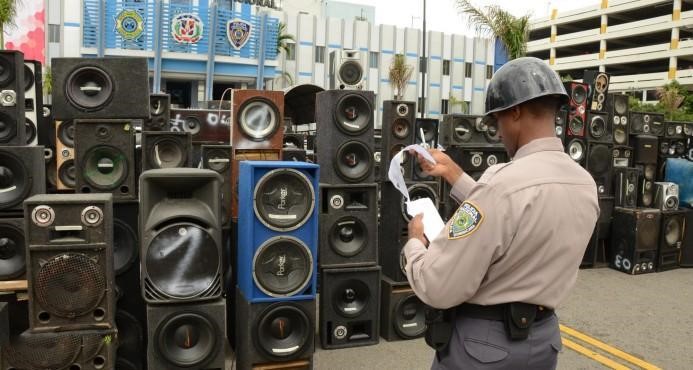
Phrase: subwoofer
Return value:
(349, 307)
(617, 108)
(166, 150)
(12, 249)
(277, 204)
(346, 70)
(671, 239)
(348, 225)
(345, 140)
(273, 332)
(204, 125)
(626, 187)
(22, 174)
(402, 314)
(599, 128)
(218, 158)
(33, 100)
(622, 156)
(180, 235)
(66, 172)
(160, 112)
(598, 89)
(397, 132)
(70, 261)
(467, 131)
(186, 336)
(12, 86)
(105, 157)
(425, 134)
(666, 196)
(577, 150)
(599, 165)
(257, 119)
(113, 87)
(634, 239)
(577, 108)
(561, 122)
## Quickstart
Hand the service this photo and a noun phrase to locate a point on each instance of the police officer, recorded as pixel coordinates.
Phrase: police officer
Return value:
(510, 253)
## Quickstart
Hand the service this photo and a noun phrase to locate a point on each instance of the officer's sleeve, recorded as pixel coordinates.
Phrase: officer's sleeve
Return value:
(453, 267)
(462, 187)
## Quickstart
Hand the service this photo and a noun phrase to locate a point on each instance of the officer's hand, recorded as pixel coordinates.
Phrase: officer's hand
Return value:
(416, 229)
(445, 167)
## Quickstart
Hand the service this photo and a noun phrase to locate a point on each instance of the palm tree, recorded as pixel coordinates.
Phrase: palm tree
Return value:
(670, 97)
(512, 31)
(8, 10)
(400, 73)
(283, 39)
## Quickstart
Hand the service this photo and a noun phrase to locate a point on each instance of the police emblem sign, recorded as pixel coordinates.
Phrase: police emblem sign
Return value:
(129, 24)
(238, 32)
(186, 28)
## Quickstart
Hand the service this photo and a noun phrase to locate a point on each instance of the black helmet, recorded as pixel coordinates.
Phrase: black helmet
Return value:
(521, 80)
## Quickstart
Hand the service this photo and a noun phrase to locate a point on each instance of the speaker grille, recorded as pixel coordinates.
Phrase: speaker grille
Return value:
(284, 199)
(42, 351)
(283, 330)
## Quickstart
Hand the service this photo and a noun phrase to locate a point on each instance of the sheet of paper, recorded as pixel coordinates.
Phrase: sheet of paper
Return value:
(432, 222)
(395, 174)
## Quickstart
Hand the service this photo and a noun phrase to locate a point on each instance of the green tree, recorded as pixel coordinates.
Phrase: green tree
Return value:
(512, 31)
(283, 39)
(8, 10)
(47, 80)
(399, 74)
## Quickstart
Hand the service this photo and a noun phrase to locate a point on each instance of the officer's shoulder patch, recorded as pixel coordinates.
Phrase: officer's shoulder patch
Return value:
(465, 221)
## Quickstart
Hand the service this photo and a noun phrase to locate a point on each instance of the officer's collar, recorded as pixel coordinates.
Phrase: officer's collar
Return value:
(539, 145)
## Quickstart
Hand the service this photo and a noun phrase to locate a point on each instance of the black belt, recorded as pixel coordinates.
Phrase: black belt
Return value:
(496, 312)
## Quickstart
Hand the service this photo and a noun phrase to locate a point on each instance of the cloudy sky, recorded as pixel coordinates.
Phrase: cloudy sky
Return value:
(442, 15)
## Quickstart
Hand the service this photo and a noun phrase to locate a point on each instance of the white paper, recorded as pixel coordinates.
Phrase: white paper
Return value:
(395, 174)
(432, 222)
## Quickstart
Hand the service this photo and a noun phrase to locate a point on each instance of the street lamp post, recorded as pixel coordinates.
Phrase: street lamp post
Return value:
(423, 65)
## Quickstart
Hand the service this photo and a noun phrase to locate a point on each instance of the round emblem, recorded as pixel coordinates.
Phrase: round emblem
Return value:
(129, 24)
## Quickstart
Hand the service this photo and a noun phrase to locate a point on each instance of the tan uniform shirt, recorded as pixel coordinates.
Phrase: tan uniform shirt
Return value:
(518, 236)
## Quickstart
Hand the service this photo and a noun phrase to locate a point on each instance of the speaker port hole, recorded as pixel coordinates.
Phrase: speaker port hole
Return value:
(124, 189)
(99, 314)
(86, 189)
(99, 362)
(44, 317)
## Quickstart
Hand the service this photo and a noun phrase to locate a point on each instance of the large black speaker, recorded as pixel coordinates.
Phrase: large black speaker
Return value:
(100, 88)
(166, 150)
(577, 108)
(70, 261)
(671, 239)
(349, 307)
(467, 130)
(218, 159)
(687, 245)
(22, 174)
(33, 100)
(426, 134)
(626, 187)
(599, 165)
(105, 157)
(617, 108)
(12, 249)
(186, 336)
(160, 112)
(634, 240)
(402, 314)
(180, 235)
(12, 86)
(599, 128)
(273, 331)
(646, 123)
(345, 140)
(397, 132)
(392, 233)
(348, 225)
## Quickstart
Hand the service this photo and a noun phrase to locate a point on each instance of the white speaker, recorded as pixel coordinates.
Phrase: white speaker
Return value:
(346, 70)
(666, 196)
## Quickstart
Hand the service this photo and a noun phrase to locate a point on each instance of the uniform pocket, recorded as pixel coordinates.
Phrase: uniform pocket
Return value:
(557, 343)
(484, 352)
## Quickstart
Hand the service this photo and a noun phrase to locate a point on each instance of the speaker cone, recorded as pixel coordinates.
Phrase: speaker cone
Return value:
(351, 297)
(66, 133)
(42, 351)
(167, 153)
(12, 252)
(636, 123)
(597, 127)
(462, 129)
(30, 129)
(576, 150)
(282, 266)
(218, 160)
(258, 118)
(348, 236)
(354, 161)
(492, 134)
(6, 72)
(187, 339)
(579, 94)
(576, 125)
(672, 231)
(283, 330)
(599, 158)
(168, 260)
(620, 135)
(284, 199)
(353, 114)
(350, 72)
(15, 182)
(125, 246)
(601, 83)
(8, 128)
(649, 171)
(192, 125)
(418, 191)
(410, 318)
(105, 167)
(293, 142)
(401, 128)
(67, 173)
(647, 235)
(28, 78)
(89, 88)
(620, 105)
(429, 132)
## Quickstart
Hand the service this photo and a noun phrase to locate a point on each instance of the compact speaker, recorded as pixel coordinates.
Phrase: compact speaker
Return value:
(345, 140)
(180, 235)
(477, 159)
(277, 211)
(674, 130)
(622, 156)
(672, 148)
(273, 332)
(166, 150)
(22, 174)
(185, 336)
(686, 259)
(577, 108)
(634, 240)
(392, 233)
(113, 87)
(646, 148)
(561, 122)
(12, 249)
(671, 239)
(66, 172)
(33, 100)
(346, 70)
(576, 149)
(646, 123)
(204, 125)
(425, 134)
(467, 130)
(218, 159)
(666, 196)
(70, 261)
(402, 314)
(599, 128)
(647, 186)
(626, 187)
(348, 225)
(12, 87)
(397, 132)
(617, 109)
(258, 116)
(599, 165)
(160, 112)
(104, 157)
(349, 307)
(598, 89)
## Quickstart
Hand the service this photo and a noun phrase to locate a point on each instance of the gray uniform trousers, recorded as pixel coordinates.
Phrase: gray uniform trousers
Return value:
(483, 344)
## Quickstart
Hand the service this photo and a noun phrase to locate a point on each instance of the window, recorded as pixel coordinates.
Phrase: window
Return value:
(291, 53)
(446, 68)
(319, 54)
(373, 59)
(444, 106)
(489, 72)
(53, 33)
(467, 69)
(419, 106)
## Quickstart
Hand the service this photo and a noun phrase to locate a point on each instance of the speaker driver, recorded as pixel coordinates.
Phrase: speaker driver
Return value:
(462, 129)
(218, 160)
(186, 339)
(166, 153)
(12, 252)
(351, 297)
(66, 133)
(105, 167)
(89, 88)
(28, 78)
(354, 161)
(353, 114)
(68, 173)
(124, 246)
(168, 259)
(283, 330)
(410, 318)
(492, 134)
(418, 191)
(258, 118)
(650, 170)
(647, 198)
(401, 128)
(348, 236)
(597, 127)
(69, 285)
(601, 83)
(14, 180)
(192, 125)
(620, 135)
(579, 94)
(576, 125)
(8, 128)
(647, 234)
(599, 158)
(6, 72)
(282, 266)
(42, 351)
(576, 150)
(284, 199)
(157, 107)
(350, 72)
(30, 129)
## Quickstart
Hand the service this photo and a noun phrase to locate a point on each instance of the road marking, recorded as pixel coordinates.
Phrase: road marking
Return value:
(609, 349)
(593, 355)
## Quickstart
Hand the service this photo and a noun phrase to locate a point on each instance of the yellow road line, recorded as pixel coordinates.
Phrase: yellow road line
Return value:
(593, 355)
(609, 349)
